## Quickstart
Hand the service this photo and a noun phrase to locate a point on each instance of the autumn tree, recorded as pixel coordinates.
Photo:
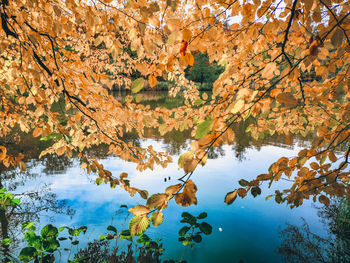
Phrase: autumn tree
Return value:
(286, 67)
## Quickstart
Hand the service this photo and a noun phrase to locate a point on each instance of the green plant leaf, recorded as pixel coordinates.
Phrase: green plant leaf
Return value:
(50, 244)
(143, 238)
(27, 254)
(112, 228)
(202, 215)
(205, 228)
(198, 102)
(184, 230)
(62, 228)
(6, 241)
(188, 218)
(203, 128)
(49, 231)
(137, 85)
(197, 238)
(32, 239)
(99, 180)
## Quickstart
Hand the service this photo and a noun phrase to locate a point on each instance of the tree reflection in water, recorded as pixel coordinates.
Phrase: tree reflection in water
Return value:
(35, 203)
(299, 244)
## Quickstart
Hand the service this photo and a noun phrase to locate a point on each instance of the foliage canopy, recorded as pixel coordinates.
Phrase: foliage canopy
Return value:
(286, 67)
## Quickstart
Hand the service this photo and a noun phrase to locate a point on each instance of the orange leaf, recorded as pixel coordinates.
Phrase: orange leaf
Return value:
(189, 59)
(152, 80)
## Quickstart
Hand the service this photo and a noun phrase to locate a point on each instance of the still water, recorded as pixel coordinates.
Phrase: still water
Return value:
(55, 190)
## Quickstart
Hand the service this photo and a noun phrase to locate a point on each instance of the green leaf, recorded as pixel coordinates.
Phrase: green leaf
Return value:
(184, 230)
(205, 228)
(203, 128)
(197, 238)
(198, 102)
(76, 242)
(125, 235)
(102, 237)
(99, 180)
(50, 244)
(137, 85)
(187, 241)
(202, 215)
(49, 231)
(143, 238)
(79, 230)
(6, 241)
(112, 228)
(51, 136)
(32, 239)
(188, 218)
(16, 201)
(138, 225)
(62, 228)
(27, 254)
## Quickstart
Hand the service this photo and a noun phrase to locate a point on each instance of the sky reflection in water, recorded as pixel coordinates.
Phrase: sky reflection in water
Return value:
(249, 226)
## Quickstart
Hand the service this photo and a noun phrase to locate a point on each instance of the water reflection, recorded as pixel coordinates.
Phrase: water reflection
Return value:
(301, 245)
(54, 189)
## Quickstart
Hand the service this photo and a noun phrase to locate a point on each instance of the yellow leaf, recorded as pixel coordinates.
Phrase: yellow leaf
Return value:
(157, 218)
(238, 106)
(158, 201)
(267, 72)
(230, 197)
(172, 189)
(186, 35)
(99, 40)
(139, 210)
(138, 225)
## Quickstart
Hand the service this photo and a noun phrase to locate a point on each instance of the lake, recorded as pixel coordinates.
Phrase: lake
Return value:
(56, 190)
